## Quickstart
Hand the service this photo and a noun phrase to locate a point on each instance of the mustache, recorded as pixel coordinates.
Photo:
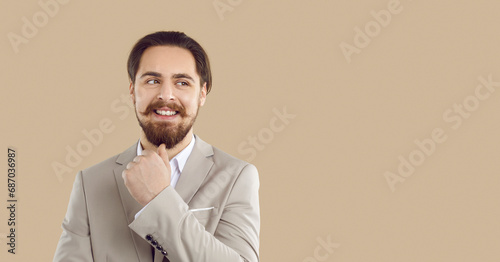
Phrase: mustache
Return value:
(159, 104)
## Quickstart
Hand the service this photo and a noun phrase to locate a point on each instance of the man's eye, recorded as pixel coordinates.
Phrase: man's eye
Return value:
(153, 81)
(183, 83)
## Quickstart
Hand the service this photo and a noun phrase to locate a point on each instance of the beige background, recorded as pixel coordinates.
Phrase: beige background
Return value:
(322, 176)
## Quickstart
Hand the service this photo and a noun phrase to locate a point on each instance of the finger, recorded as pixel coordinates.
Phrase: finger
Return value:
(162, 152)
(124, 176)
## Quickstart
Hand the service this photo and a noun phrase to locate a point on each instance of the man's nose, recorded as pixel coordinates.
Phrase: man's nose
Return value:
(166, 92)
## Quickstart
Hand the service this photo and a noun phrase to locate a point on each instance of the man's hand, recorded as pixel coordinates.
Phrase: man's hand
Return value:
(147, 175)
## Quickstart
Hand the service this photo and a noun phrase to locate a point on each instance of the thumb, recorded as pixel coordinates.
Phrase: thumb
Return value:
(162, 152)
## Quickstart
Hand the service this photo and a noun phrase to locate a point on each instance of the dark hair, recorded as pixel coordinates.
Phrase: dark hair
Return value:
(170, 38)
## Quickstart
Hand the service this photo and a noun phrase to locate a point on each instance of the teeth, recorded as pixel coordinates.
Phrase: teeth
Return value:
(165, 113)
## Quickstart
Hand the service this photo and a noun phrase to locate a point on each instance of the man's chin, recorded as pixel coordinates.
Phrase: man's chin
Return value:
(170, 136)
(170, 133)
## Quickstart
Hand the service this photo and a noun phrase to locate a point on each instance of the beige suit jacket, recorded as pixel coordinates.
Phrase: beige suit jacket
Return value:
(211, 215)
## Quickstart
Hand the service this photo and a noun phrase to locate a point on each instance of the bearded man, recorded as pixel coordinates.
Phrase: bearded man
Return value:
(170, 196)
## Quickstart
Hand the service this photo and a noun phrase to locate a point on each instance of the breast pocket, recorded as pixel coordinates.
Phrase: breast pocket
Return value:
(204, 214)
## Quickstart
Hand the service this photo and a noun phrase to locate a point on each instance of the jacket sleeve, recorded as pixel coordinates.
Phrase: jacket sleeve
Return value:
(74, 244)
(168, 225)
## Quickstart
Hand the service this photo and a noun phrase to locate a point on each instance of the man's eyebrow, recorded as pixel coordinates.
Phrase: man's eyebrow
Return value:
(150, 73)
(181, 75)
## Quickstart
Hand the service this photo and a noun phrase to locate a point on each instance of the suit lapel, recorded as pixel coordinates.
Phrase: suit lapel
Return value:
(195, 171)
(130, 205)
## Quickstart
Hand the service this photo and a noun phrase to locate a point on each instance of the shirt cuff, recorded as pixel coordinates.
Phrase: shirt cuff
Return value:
(140, 211)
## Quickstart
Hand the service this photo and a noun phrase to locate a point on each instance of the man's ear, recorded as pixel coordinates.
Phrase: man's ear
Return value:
(131, 91)
(203, 94)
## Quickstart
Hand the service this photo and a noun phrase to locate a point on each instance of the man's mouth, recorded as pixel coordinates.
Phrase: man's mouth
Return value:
(166, 112)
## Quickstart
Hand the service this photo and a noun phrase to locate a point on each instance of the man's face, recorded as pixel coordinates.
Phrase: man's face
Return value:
(167, 94)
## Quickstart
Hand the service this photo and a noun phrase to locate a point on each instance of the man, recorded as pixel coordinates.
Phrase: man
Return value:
(171, 196)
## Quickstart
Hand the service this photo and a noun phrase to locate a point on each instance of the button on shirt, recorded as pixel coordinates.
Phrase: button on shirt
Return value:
(177, 164)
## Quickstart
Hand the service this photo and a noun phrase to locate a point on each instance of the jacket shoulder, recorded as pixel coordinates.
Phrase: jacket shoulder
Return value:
(107, 164)
(111, 163)
(230, 164)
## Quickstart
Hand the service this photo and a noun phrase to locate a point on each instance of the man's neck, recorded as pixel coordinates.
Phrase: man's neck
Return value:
(172, 152)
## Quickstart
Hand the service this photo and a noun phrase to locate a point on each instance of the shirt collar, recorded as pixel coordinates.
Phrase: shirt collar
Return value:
(180, 158)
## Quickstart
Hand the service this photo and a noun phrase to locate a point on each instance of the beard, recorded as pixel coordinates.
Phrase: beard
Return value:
(166, 133)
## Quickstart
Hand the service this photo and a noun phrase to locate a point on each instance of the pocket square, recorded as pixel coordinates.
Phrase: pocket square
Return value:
(201, 209)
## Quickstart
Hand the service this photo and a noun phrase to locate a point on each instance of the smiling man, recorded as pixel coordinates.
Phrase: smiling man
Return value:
(171, 196)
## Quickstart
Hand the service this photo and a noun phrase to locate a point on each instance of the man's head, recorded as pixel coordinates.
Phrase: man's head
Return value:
(169, 79)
